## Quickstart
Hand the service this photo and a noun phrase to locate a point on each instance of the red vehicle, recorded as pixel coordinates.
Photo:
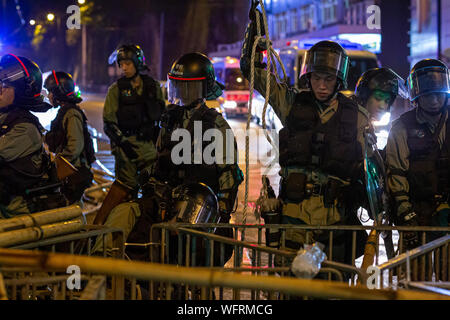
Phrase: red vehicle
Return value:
(235, 96)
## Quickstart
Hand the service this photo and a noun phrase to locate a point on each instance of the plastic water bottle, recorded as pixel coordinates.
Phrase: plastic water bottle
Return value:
(308, 261)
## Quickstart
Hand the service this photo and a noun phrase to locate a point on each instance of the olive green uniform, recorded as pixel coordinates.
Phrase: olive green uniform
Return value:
(22, 140)
(73, 151)
(125, 215)
(127, 169)
(397, 160)
(311, 210)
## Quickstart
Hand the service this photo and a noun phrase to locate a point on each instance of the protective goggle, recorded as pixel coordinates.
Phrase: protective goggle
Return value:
(426, 80)
(185, 91)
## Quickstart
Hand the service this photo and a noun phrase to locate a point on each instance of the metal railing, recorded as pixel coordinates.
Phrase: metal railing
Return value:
(202, 278)
(428, 263)
(253, 257)
(23, 283)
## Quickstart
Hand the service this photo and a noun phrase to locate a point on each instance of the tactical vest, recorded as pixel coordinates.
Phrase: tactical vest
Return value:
(331, 147)
(56, 138)
(22, 173)
(171, 120)
(138, 114)
(429, 163)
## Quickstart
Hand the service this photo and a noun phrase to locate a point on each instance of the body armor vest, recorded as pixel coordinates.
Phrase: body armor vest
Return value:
(22, 173)
(331, 147)
(138, 114)
(56, 138)
(186, 173)
(429, 163)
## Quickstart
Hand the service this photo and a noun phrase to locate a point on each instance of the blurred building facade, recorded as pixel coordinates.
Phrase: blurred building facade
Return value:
(429, 30)
(328, 19)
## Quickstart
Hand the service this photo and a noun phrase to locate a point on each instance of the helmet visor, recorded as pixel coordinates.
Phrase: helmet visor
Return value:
(11, 74)
(326, 61)
(428, 80)
(185, 92)
(393, 84)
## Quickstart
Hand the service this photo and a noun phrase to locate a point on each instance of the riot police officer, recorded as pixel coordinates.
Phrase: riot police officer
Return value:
(417, 152)
(191, 81)
(321, 144)
(131, 115)
(69, 135)
(24, 165)
(376, 90)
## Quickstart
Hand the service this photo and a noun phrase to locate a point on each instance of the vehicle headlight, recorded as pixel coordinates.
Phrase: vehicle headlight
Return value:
(384, 121)
(230, 104)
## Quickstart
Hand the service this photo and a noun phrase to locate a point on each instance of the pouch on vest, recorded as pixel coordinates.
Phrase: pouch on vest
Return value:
(295, 187)
(331, 192)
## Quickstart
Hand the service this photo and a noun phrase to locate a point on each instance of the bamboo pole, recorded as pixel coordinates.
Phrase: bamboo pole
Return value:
(370, 250)
(26, 235)
(3, 295)
(205, 276)
(40, 218)
(98, 187)
(102, 173)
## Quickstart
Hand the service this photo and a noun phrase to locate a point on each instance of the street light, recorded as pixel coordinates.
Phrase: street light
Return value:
(81, 1)
(50, 17)
(32, 22)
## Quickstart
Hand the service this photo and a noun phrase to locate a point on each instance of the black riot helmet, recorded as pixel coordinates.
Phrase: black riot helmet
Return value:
(382, 79)
(326, 57)
(62, 86)
(428, 76)
(192, 79)
(25, 77)
(129, 52)
(195, 203)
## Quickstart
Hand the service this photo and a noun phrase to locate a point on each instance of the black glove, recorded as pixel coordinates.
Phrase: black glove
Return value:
(252, 12)
(128, 148)
(247, 45)
(144, 176)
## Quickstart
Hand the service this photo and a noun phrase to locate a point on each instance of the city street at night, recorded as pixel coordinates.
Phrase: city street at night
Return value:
(235, 157)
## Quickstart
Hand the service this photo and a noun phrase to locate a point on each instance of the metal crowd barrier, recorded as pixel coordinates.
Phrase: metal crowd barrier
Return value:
(252, 256)
(202, 278)
(426, 267)
(29, 284)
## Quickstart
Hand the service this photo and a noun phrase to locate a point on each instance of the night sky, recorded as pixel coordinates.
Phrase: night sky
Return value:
(189, 25)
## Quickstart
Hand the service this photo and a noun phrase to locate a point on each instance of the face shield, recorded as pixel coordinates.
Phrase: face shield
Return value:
(326, 61)
(434, 79)
(394, 84)
(10, 74)
(183, 91)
